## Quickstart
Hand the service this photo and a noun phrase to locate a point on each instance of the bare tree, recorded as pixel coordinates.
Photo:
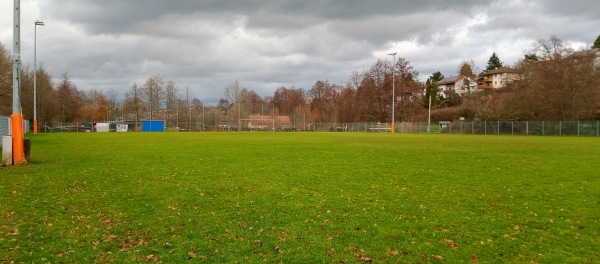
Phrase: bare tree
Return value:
(323, 97)
(466, 71)
(232, 91)
(101, 108)
(171, 92)
(70, 100)
(287, 99)
(5, 81)
(553, 48)
(134, 103)
(153, 92)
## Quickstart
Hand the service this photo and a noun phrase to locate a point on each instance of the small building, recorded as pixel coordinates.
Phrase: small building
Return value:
(102, 127)
(153, 126)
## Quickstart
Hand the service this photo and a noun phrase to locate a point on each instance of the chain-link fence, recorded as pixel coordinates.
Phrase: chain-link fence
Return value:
(542, 128)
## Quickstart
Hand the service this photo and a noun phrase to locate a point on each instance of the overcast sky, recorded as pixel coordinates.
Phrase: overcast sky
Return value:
(207, 44)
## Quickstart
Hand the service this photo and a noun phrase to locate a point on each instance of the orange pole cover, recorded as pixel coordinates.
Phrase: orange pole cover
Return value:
(16, 122)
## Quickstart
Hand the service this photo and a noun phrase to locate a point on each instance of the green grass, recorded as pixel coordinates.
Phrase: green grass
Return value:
(302, 198)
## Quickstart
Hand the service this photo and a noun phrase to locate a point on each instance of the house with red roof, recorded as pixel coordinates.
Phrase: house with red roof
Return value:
(457, 84)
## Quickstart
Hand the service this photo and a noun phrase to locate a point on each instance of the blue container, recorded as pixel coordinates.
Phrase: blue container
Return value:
(153, 126)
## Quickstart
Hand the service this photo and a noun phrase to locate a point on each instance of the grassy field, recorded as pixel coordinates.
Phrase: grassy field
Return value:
(302, 198)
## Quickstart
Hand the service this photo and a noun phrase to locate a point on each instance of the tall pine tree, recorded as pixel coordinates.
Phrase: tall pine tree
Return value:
(493, 63)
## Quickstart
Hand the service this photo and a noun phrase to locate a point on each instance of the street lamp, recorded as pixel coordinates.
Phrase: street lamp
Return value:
(35, 122)
(393, 89)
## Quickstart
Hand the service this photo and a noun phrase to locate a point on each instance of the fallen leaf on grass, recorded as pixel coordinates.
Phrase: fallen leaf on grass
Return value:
(14, 232)
(191, 254)
(437, 257)
(392, 252)
(126, 245)
(108, 237)
(474, 258)
(363, 258)
(9, 215)
(330, 252)
(142, 242)
(450, 243)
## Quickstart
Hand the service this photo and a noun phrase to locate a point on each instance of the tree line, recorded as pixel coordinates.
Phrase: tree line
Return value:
(556, 83)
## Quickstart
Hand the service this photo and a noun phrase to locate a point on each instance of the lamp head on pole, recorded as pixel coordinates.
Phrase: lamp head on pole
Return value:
(394, 54)
(39, 23)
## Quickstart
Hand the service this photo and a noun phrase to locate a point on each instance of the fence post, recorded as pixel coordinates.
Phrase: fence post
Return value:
(560, 128)
(512, 127)
(498, 127)
(485, 127)
(450, 127)
(543, 134)
(577, 127)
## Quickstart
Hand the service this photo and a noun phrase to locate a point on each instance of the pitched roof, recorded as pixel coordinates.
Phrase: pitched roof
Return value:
(499, 70)
(450, 80)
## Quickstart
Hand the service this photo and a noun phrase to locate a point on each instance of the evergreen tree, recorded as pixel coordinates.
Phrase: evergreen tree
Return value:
(493, 63)
(532, 57)
(431, 88)
(597, 43)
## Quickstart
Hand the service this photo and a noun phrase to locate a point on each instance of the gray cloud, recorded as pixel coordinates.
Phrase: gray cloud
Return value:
(205, 45)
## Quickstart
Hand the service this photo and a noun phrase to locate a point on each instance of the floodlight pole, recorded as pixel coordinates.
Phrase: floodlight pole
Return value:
(429, 116)
(393, 90)
(35, 122)
(16, 119)
(16, 57)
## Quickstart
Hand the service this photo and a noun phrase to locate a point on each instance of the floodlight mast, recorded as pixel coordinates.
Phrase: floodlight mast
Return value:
(35, 122)
(16, 119)
(16, 57)
(393, 89)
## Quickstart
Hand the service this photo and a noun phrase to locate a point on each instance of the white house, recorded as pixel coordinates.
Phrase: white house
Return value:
(457, 84)
(498, 78)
